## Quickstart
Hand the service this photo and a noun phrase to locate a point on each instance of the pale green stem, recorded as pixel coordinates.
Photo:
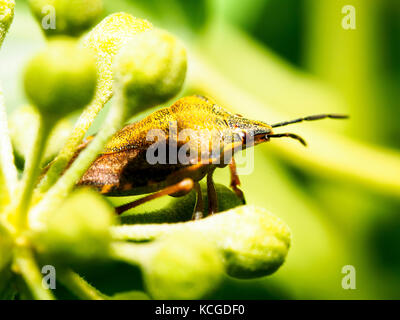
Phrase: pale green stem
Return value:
(9, 171)
(78, 286)
(26, 265)
(67, 152)
(136, 254)
(140, 232)
(66, 183)
(31, 173)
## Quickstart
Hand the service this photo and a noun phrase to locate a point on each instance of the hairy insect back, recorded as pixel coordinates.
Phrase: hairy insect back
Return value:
(190, 113)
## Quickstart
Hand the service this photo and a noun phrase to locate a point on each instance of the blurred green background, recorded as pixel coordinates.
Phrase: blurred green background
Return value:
(276, 60)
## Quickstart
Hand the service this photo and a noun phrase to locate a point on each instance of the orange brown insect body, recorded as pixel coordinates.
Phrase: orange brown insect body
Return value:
(123, 167)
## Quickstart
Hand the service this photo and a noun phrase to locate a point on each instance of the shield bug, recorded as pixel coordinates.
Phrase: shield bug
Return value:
(134, 162)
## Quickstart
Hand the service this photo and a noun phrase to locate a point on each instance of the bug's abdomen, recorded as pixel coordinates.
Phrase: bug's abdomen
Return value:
(130, 173)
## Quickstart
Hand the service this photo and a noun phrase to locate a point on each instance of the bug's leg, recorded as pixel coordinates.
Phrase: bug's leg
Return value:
(211, 194)
(199, 208)
(235, 182)
(183, 186)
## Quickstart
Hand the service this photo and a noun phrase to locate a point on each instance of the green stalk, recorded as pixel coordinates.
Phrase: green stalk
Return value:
(31, 172)
(136, 254)
(67, 152)
(77, 285)
(141, 232)
(65, 184)
(7, 166)
(28, 268)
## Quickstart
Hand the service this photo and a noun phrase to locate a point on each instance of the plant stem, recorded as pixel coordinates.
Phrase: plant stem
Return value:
(67, 152)
(142, 232)
(65, 184)
(31, 172)
(136, 254)
(77, 285)
(28, 268)
(7, 166)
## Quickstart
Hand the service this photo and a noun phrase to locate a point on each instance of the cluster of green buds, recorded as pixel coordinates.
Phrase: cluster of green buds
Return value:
(44, 220)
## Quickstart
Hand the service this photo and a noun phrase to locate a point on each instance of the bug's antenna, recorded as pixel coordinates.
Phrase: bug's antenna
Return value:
(289, 135)
(310, 118)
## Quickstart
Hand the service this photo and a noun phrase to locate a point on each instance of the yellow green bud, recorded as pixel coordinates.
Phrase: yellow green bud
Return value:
(78, 231)
(107, 39)
(6, 17)
(66, 17)
(184, 266)
(254, 242)
(61, 78)
(151, 69)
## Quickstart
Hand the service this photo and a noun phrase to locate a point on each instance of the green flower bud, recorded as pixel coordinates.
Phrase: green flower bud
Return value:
(78, 231)
(107, 39)
(184, 266)
(6, 17)
(71, 17)
(61, 78)
(151, 69)
(254, 242)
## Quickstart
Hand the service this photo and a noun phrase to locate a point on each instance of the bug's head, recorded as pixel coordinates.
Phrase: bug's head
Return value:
(254, 132)
(250, 132)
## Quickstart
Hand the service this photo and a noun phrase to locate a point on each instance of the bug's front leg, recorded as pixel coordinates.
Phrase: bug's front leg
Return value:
(235, 182)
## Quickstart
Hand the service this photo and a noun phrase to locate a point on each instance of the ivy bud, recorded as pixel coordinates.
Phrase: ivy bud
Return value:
(107, 39)
(254, 242)
(151, 69)
(184, 266)
(6, 17)
(78, 231)
(66, 17)
(61, 78)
